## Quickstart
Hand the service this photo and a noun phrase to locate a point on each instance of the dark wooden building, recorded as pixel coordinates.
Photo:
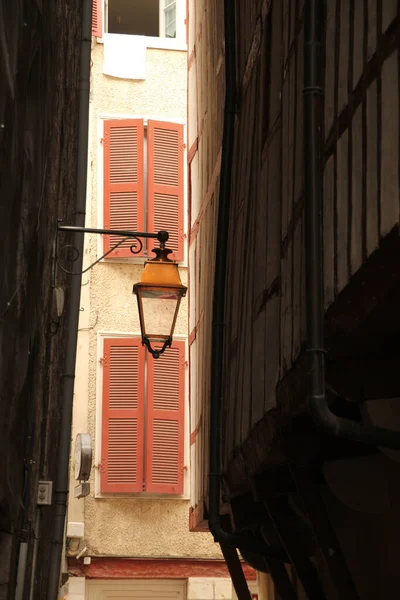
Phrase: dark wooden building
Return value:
(330, 502)
(39, 65)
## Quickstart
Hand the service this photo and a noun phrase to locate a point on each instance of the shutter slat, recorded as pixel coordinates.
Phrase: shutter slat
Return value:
(97, 20)
(165, 421)
(166, 182)
(123, 181)
(122, 445)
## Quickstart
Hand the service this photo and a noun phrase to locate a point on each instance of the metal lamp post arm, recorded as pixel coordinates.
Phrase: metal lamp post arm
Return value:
(161, 236)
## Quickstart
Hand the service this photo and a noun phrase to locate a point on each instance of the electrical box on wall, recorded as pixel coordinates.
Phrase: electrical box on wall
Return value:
(45, 493)
(75, 530)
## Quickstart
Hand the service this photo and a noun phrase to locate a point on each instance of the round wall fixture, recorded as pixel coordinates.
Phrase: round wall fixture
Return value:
(83, 456)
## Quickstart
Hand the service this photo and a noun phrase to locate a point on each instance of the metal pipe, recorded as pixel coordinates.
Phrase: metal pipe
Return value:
(313, 111)
(62, 476)
(161, 236)
(220, 535)
(22, 558)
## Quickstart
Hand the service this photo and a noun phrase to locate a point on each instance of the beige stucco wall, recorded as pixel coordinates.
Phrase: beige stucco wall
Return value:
(125, 526)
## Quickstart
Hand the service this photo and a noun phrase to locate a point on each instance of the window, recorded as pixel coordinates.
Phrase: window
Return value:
(142, 418)
(144, 181)
(161, 21)
(152, 18)
(155, 18)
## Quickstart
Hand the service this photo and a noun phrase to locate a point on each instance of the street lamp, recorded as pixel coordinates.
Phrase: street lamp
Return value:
(159, 292)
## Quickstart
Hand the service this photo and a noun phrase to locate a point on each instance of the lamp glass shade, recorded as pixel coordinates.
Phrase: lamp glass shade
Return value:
(159, 309)
(159, 295)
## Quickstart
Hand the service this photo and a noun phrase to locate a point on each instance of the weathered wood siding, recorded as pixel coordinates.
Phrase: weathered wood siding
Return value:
(265, 299)
(39, 78)
(266, 279)
(361, 175)
(265, 307)
(205, 122)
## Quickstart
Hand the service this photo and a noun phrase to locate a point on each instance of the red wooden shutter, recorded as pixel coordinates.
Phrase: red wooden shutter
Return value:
(165, 421)
(165, 147)
(97, 18)
(122, 442)
(123, 181)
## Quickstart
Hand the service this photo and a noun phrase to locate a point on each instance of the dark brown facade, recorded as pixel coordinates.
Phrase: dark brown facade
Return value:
(318, 495)
(39, 61)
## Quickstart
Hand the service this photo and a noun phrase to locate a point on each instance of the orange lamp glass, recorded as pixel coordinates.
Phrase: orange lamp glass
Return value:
(159, 294)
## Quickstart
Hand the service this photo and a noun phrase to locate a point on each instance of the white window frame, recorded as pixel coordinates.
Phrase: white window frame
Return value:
(162, 8)
(162, 43)
(101, 117)
(101, 336)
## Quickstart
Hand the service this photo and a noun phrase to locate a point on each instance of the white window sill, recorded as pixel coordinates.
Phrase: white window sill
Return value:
(160, 43)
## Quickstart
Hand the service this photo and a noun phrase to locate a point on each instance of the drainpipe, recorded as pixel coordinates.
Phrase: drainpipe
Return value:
(62, 476)
(313, 112)
(251, 544)
(22, 559)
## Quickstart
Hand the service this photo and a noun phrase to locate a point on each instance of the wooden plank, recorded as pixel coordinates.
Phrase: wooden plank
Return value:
(356, 192)
(290, 149)
(343, 55)
(390, 145)
(272, 312)
(296, 550)
(367, 294)
(259, 351)
(287, 219)
(389, 12)
(358, 41)
(297, 289)
(276, 62)
(330, 37)
(285, 157)
(271, 357)
(372, 233)
(286, 311)
(328, 546)
(299, 150)
(274, 209)
(342, 212)
(236, 572)
(282, 583)
(261, 233)
(328, 232)
(372, 25)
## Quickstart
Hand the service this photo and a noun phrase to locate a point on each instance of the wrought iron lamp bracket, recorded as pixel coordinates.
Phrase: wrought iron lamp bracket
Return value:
(74, 253)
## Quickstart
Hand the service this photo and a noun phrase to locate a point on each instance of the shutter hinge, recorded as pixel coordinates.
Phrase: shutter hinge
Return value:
(100, 467)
